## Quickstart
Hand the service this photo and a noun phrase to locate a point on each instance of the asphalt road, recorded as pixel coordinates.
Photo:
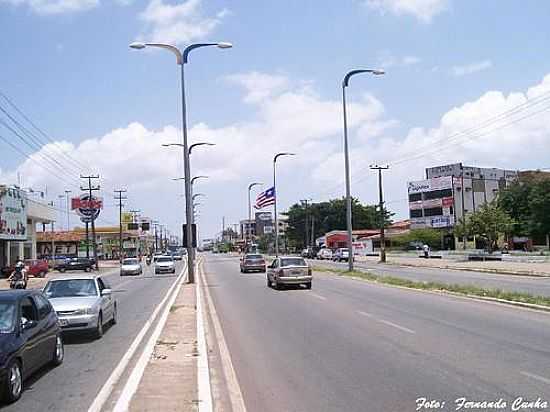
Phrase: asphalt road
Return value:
(348, 345)
(88, 362)
(535, 285)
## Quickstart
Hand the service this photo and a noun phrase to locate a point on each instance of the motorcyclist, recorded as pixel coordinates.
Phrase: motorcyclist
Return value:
(19, 278)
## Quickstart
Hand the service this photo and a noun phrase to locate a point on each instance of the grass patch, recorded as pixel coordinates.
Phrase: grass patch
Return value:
(470, 290)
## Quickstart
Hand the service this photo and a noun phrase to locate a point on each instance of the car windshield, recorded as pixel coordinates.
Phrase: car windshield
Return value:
(164, 259)
(7, 317)
(253, 257)
(293, 262)
(130, 262)
(67, 288)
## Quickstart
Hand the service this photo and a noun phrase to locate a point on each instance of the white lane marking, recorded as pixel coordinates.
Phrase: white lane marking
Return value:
(107, 388)
(203, 370)
(317, 296)
(537, 377)
(234, 389)
(365, 314)
(130, 388)
(395, 325)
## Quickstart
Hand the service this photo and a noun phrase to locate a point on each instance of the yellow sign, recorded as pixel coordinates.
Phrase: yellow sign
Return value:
(127, 218)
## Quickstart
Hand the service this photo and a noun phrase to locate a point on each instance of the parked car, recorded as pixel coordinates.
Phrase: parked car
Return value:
(252, 262)
(30, 337)
(324, 254)
(83, 303)
(289, 271)
(37, 268)
(164, 264)
(80, 263)
(130, 266)
(341, 255)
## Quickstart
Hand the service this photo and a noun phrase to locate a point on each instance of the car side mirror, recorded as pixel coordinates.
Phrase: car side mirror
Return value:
(28, 324)
(106, 292)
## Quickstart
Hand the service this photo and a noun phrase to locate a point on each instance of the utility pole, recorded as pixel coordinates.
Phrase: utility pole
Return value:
(382, 214)
(223, 229)
(90, 190)
(68, 215)
(119, 196)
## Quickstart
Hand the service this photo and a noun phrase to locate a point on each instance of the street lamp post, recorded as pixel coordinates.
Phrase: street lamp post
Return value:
(276, 195)
(250, 186)
(181, 59)
(345, 84)
(68, 215)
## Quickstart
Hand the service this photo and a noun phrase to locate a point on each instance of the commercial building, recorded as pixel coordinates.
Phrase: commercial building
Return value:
(450, 192)
(19, 216)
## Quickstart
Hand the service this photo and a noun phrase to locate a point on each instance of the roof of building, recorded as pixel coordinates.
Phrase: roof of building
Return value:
(65, 236)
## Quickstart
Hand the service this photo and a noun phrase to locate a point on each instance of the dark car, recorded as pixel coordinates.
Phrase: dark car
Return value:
(30, 338)
(85, 264)
(252, 262)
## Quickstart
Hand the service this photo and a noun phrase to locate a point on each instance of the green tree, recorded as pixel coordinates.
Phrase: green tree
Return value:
(488, 222)
(329, 216)
(429, 236)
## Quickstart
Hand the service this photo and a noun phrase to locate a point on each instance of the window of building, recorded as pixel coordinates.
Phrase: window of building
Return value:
(416, 213)
(415, 197)
(438, 194)
(434, 211)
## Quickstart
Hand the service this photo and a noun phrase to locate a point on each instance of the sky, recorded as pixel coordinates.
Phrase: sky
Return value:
(465, 81)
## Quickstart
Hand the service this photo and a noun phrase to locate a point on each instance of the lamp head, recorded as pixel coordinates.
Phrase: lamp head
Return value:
(137, 45)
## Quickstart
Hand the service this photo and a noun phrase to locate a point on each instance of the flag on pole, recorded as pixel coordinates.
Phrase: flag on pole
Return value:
(266, 198)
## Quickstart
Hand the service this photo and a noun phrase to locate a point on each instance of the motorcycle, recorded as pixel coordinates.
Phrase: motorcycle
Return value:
(148, 261)
(18, 284)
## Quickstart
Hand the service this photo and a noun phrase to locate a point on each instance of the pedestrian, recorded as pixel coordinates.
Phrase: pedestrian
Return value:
(426, 249)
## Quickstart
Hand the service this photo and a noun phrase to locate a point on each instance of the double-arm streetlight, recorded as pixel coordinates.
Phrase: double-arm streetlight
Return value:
(182, 58)
(250, 186)
(275, 196)
(345, 83)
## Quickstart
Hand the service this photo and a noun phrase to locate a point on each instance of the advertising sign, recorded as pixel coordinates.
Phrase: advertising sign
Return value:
(87, 206)
(428, 204)
(264, 216)
(447, 201)
(13, 214)
(441, 221)
(127, 217)
(415, 205)
(428, 185)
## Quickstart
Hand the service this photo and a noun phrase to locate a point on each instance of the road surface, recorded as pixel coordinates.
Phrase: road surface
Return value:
(348, 345)
(88, 362)
(535, 285)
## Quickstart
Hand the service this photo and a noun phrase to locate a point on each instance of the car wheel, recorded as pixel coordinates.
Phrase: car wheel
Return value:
(99, 327)
(308, 285)
(59, 351)
(42, 274)
(61, 270)
(115, 316)
(276, 285)
(13, 384)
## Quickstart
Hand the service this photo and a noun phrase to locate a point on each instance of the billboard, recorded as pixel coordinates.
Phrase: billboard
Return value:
(13, 214)
(428, 185)
(435, 222)
(87, 206)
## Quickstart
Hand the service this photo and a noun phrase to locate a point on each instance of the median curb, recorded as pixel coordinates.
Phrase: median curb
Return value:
(469, 269)
(486, 299)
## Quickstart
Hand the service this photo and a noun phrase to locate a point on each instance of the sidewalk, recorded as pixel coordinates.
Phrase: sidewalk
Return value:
(169, 382)
(503, 267)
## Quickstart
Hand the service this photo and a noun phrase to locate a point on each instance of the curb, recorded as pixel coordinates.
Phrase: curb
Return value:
(487, 299)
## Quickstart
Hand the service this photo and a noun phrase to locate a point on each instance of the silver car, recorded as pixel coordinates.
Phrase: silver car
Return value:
(130, 266)
(164, 264)
(289, 271)
(82, 303)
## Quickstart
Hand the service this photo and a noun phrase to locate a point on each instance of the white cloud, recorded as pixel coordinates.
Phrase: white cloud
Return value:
(55, 6)
(386, 60)
(178, 23)
(298, 119)
(471, 68)
(423, 10)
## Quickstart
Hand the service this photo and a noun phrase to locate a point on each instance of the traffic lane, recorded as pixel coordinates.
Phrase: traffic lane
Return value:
(500, 344)
(511, 283)
(88, 362)
(306, 350)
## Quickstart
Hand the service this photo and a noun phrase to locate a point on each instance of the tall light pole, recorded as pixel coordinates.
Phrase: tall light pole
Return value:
(345, 83)
(181, 59)
(61, 197)
(276, 196)
(250, 186)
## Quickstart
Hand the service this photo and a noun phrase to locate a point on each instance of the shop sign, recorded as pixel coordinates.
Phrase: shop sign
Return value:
(421, 186)
(87, 206)
(13, 214)
(441, 221)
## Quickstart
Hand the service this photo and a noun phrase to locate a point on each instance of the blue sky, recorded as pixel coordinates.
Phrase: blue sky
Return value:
(66, 63)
